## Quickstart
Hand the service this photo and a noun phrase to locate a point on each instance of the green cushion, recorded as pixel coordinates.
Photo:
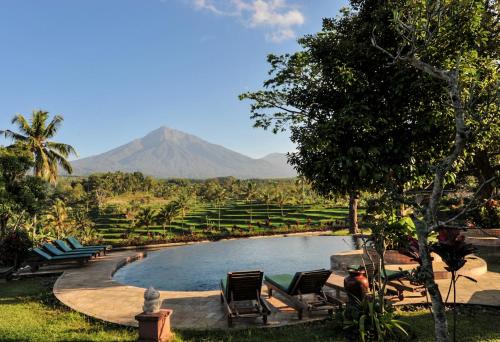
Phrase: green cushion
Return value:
(391, 275)
(282, 281)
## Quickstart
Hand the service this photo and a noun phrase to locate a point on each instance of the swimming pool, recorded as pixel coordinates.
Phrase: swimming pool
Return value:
(200, 267)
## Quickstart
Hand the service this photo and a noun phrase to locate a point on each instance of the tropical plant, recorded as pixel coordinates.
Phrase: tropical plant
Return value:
(250, 193)
(58, 220)
(266, 197)
(372, 319)
(167, 214)
(453, 249)
(146, 217)
(184, 202)
(34, 136)
(14, 248)
(281, 199)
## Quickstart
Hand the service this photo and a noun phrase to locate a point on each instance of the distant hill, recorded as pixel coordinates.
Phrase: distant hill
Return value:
(168, 153)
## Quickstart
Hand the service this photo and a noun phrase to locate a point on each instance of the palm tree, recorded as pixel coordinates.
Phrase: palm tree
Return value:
(167, 214)
(250, 193)
(184, 201)
(267, 198)
(220, 197)
(281, 199)
(146, 217)
(34, 136)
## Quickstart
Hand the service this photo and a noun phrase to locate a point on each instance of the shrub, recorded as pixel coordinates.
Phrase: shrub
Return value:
(14, 248)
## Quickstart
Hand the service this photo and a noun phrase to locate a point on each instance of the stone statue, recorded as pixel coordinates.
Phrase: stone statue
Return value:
(151, 301)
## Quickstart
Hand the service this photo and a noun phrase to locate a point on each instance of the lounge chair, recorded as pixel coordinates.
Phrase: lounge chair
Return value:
(6, 272)
(51, 249)
(77, 245)
(295, 289)
(41, 258)
(67, 248)
(240, 294)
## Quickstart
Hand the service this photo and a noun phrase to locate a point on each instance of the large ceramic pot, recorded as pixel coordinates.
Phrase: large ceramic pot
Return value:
(356, 284)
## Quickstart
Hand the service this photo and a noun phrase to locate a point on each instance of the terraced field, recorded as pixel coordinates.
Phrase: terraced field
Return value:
(235, 217)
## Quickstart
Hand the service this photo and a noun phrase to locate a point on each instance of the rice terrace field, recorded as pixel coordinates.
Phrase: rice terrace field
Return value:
(237, 218)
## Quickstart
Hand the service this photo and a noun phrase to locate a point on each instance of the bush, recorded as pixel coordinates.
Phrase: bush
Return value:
(14, 248)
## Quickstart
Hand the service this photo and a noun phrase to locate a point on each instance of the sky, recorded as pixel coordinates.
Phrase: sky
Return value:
(118, 69)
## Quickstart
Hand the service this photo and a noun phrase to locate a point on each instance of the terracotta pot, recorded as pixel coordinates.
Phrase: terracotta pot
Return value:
(356, 284)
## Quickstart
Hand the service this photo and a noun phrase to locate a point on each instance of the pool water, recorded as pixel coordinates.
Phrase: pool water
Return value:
(200, 267)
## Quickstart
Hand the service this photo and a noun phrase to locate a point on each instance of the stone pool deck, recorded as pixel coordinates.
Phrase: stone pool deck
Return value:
(92, 291)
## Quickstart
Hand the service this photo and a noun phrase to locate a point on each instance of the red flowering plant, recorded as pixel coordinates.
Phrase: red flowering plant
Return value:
(452, 248)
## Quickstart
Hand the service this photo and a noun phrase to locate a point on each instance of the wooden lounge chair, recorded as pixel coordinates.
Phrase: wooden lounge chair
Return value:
(6, 272)
(240, 294)
(54, 251)
(40, 258)
(295, 289)
(77, 245)
(67, 248)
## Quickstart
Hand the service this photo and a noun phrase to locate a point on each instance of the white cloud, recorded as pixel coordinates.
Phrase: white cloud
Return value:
(277, 16)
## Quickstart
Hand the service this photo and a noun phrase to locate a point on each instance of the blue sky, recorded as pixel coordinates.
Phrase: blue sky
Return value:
(117, 69)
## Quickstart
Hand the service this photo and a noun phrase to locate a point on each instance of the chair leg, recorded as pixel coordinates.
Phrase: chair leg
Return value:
(300, 313)
(229, 321)
(264, 319)
(270, 292)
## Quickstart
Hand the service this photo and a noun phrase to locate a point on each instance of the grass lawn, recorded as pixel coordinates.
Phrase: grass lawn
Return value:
(29, 312)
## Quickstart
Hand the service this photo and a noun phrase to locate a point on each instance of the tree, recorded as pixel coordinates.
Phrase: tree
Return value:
(184, 201)
(281, 198)
(383, 116)
(250, 193)
(355, 131)
(167, 214)
(267, 198)
(146, 217)
(20, 195)
(34, 136)
(455, 43)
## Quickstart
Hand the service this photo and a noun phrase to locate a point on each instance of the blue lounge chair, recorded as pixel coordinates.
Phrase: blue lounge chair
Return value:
(40, 258)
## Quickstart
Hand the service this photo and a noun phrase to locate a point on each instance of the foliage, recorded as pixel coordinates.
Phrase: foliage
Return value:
(34, 137)
(57, 219)
(14, 248)
(452, 248)
(20, 195)
(146, 217)
(372, 319)
(167, 214)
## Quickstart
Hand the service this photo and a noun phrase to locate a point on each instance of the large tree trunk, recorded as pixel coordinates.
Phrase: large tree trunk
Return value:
(427, 271)
(353, 212)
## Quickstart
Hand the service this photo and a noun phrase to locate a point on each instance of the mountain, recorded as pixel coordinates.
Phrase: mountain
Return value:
(168, 153)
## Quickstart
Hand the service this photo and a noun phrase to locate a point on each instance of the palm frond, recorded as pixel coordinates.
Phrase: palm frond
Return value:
(53, 126)
(60, 160)
(8, 134)
(22, 123)
(38, 120)
(63, 149)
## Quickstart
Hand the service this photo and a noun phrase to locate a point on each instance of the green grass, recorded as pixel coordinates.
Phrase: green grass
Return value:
(29, 312)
